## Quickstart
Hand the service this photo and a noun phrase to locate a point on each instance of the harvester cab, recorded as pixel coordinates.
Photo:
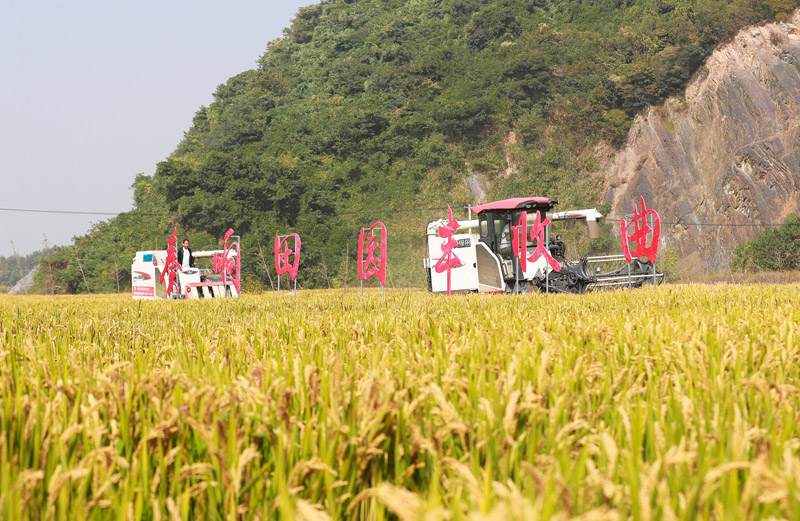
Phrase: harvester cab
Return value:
(484, 247)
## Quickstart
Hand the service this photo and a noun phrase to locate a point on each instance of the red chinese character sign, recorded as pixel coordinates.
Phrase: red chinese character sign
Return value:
(171, 263)
(639, 236)
(227, 265)
(372, 264)
(448, 260)
(519, 241)
(537, 234)
(283, 253)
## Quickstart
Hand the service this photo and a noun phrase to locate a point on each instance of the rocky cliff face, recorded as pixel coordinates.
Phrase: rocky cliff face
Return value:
(723, 163)
(24, 284)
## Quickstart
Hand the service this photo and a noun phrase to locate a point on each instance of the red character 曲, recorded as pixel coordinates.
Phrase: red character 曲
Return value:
(448, 260)
(171, 264)
(372, 264)
(639, 235)
(228, 266)
(282, 264)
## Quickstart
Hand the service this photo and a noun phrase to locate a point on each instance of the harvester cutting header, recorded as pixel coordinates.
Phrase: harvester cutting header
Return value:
(492, 251)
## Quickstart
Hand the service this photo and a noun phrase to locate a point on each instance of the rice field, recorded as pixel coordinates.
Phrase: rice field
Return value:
(676, 404)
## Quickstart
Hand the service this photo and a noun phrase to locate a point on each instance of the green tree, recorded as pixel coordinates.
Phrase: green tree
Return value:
(774, 249)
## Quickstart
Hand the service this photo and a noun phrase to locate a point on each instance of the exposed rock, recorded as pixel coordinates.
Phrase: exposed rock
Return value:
(24, 284)
(512, 166)
(727, 154)
(478, 184)
(478, 187)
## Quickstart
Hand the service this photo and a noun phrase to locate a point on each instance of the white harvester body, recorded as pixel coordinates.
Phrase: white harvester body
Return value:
(487, 262)
(192, 283)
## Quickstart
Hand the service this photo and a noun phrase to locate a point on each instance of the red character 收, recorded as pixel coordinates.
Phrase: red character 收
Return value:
(282, 264)
(537, 234)
(372, 264)
(639, 235)
(171, 264)
(448, 260)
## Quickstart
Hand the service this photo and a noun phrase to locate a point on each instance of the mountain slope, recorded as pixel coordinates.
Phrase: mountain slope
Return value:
(727, 153)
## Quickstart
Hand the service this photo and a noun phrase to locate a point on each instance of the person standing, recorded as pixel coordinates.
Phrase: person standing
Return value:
(185, 257)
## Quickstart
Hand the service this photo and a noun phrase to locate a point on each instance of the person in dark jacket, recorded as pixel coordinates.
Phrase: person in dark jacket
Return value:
(185, 257)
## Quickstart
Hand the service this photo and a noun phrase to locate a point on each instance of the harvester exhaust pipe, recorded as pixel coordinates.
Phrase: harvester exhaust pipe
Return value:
(591, 215)
(594, 229)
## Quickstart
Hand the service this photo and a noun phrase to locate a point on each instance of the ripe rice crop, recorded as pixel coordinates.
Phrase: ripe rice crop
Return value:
(676, 403)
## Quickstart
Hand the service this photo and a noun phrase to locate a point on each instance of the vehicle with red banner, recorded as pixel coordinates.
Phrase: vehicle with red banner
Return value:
(508, 248)
(155, 274)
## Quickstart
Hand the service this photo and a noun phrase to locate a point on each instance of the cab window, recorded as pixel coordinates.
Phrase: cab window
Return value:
(484, 225)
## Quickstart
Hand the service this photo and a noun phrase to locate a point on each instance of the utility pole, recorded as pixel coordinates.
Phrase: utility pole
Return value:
(19, 264)
(51, 280)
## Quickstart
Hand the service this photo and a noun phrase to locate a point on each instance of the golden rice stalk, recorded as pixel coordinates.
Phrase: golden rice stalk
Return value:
(57, 482)
(712, 477)
(26, 482)
(249, 454)
(509, 424)
(172, 508)
(156, 507)
(599, 514)
(308, 512)
(69, 433)
(403, 503)
(195, 470)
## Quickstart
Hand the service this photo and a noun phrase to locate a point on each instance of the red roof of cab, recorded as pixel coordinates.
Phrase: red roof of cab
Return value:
(513, 204)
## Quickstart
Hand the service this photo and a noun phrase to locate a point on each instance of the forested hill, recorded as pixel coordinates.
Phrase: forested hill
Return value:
(375, 109)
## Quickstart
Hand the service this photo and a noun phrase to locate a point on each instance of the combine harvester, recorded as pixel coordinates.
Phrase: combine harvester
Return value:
(488, 263)
(222, 281)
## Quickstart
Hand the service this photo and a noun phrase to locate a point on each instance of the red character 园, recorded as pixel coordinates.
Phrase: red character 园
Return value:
(372, 264)
(228, 266)
(282, 264)
(171, 263)
(639, 235)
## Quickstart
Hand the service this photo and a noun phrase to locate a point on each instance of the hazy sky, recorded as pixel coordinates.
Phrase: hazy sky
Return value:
(94, 92)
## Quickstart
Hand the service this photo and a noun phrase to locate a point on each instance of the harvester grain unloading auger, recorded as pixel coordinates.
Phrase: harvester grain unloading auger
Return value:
(494, 259)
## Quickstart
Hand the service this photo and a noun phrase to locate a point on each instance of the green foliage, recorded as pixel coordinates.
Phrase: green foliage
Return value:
(775, 249)
(13, 267)
(615, 126)
(369, 106)
(671, 265)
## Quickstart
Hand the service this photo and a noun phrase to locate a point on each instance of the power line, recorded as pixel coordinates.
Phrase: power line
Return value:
(394, 210)
(69, 212)
(30, 210)
(114, 214)
(762, 225)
